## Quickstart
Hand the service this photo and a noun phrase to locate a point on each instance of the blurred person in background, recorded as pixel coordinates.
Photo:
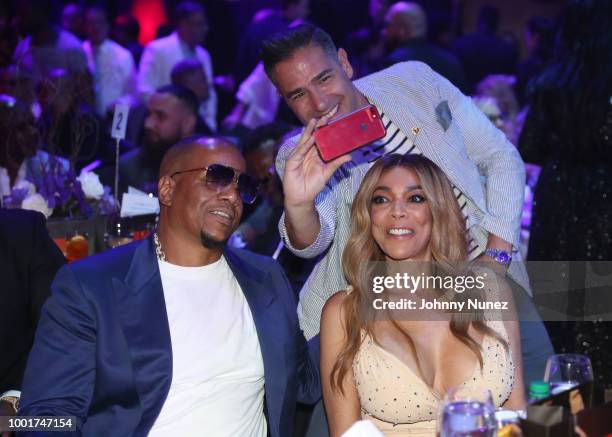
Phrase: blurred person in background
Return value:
(69, 124)
(112, 66)
(46, 46)
(21, 159)
(259, 231)
(498, 90)
(8, 35)
(20, 85)
(568, 131)
(257, 102)
(126, 31)
(265, 23)
(73, 20)
(161, 55)
(190, 74)
(172, 116)
(366, 46)
(406, 39)
(539, 38)
(484, 52)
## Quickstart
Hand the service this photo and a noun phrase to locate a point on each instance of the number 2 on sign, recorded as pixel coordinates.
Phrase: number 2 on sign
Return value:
(120, 121)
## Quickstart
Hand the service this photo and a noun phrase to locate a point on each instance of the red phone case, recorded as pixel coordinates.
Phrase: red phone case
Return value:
(349, 132)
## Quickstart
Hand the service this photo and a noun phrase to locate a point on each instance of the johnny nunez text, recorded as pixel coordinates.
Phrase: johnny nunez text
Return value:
(435, 304)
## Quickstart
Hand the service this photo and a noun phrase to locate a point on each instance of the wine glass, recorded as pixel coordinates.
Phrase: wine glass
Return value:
(467, 412)
(118, 232)
(564, 371)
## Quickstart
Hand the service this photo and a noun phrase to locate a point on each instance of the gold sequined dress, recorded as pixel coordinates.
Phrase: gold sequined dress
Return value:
(401, 404)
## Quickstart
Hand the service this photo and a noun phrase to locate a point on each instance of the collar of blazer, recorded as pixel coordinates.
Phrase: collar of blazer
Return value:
(144, 268)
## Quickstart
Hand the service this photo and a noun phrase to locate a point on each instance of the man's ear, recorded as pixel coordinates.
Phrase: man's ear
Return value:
(189, 125)
(165, 190)
(344, 62)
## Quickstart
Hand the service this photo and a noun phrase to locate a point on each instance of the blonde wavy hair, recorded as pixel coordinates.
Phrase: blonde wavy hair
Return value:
(448, 246)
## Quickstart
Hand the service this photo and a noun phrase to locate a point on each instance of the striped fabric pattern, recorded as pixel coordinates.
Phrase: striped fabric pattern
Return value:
(475, 156)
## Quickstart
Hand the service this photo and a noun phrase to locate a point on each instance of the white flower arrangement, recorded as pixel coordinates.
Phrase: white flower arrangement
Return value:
(36, 202)
(91, 185)
(27, 185)
(60, 193)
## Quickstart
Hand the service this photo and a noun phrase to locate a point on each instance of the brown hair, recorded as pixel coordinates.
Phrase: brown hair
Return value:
(448, 247)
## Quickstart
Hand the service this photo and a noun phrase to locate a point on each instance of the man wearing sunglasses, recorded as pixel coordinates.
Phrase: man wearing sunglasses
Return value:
(176, 334)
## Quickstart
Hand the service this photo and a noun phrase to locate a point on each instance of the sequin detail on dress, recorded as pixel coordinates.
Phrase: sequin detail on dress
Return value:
(401, 404)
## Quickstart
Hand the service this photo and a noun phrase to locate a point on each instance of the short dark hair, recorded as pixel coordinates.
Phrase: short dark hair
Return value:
(262, 134)
(96, 7)
(185, 95)
(183, 67)
(129, 23)
(281, 46)
(187, 8)
(488, 16)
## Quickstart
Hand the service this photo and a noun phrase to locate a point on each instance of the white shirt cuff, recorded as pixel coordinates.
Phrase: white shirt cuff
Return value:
(8, 393)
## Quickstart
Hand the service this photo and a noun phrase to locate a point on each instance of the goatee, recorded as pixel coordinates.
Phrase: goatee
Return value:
(210, 243)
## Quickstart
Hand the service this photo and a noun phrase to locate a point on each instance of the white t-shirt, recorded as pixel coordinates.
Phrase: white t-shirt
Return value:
(218, 375)
(260, 95)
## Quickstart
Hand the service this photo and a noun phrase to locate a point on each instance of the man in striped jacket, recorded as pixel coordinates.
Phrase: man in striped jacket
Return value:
(423, 113)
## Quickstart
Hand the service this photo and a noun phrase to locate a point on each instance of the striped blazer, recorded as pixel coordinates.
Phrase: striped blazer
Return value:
(472, 152)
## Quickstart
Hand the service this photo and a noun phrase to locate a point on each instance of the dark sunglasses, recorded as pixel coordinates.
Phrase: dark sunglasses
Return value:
(220, 176)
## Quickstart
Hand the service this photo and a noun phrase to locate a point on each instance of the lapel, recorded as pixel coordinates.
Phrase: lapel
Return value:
(142, 313)
(255, 285)
(269, 316)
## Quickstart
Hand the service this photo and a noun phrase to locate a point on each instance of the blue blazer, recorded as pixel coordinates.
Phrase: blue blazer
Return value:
(103, 353)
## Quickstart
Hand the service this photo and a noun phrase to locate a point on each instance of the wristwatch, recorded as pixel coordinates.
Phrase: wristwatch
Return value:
(13, 400)
(501, 256)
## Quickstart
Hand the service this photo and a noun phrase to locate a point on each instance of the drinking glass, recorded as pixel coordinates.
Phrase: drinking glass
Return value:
(77, 246)
(118, 232)
(467, 412)
(564, 371)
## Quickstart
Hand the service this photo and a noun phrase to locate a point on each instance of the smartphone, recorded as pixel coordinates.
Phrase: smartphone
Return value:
(349, 132)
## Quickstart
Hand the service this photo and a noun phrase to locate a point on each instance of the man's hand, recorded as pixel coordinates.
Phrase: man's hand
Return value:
(305, 172)
(6, 409)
